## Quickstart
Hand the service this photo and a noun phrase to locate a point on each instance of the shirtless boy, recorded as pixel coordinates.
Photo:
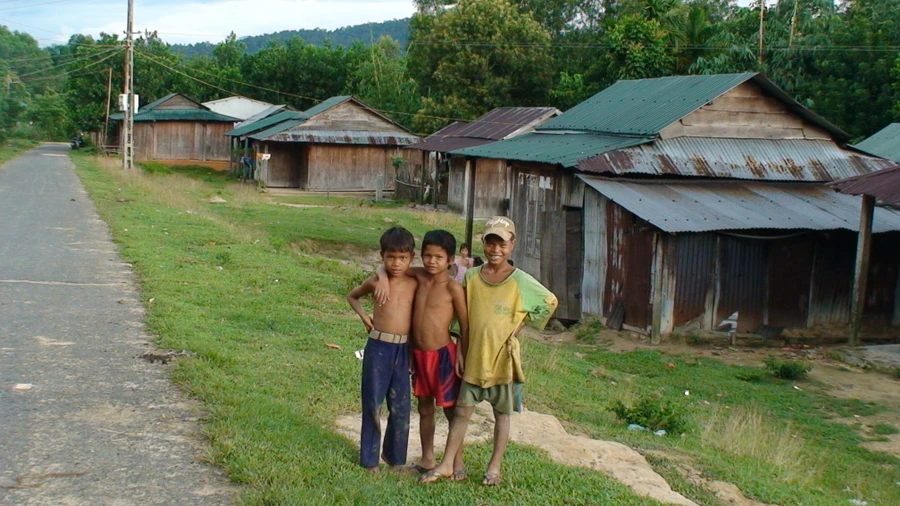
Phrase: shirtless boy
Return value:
(385, 370)
(436, 373)
(501, 300)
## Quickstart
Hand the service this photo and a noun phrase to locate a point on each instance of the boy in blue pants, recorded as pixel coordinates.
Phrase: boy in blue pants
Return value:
(385, 374)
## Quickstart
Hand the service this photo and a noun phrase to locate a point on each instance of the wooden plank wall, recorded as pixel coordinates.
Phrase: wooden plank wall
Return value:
(490, 188)
(349, 116)
(745, 112)
(182, 140)
(287, 166)
(178, 102)
(352, 167)
(456, 185)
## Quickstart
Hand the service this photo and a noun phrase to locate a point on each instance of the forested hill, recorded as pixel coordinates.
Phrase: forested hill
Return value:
(346, 36)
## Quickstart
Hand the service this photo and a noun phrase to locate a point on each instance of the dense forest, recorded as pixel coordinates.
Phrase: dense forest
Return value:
(463, 58)
(397, 29)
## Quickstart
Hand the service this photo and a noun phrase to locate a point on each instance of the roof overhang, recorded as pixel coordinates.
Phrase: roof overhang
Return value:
(340, 137)
(884, 185)
(676, 206)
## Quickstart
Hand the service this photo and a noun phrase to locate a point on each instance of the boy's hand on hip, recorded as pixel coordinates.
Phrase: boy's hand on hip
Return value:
(370, 325)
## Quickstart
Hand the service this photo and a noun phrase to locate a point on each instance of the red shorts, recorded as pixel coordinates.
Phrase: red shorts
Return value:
(436, 375)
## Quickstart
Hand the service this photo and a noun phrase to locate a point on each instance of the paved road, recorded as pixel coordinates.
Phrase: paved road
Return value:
(83, 419)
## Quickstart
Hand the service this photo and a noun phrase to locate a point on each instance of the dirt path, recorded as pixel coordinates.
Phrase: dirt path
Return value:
(85, 420)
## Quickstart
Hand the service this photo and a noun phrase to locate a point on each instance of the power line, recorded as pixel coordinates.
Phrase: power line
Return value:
(74, 61)
(34, 5)
(69, 74)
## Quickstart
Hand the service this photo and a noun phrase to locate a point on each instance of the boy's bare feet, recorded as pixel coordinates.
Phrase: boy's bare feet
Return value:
(434, 475)
(459, 475)
(372, 470)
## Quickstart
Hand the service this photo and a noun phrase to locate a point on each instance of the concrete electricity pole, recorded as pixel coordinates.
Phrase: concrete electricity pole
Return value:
(128, 128)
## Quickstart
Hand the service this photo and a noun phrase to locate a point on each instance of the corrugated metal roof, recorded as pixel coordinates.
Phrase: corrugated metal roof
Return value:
(447, 144)
(504, 121)
(557, 148)
(267, 123)
(340, 137)
(277, 128)
(675, 206)
(777, 159)
(326, 104)
(885, 142)
(178, 115)
(271, 111)
(884, 185)
(646, 106)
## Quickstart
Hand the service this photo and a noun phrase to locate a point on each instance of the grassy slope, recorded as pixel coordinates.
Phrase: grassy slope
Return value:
(226, 282)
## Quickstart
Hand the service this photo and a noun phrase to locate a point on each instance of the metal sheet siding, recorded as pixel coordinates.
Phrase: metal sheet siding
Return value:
(695, 265)
(743, 282)
(832, 279)
(759, 159)
(883, 278)
(790, 275)
(595, 253)
(629, 266)
(645, 106)
(675, 206)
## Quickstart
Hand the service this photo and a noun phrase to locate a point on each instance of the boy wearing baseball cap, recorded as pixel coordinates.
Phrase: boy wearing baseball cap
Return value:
(501, 299)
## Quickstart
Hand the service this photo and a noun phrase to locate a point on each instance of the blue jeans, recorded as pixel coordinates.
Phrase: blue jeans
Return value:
(385, 376)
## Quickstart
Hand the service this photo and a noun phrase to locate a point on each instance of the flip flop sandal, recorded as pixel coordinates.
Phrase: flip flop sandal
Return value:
(416, 468)
(492, 479)
(460, 475)
(433, 476)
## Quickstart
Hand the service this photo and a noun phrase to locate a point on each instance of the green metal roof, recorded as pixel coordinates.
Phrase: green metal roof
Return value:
(266, 123)
(884, 143)
(278, 128)
(644, 106)
(566, 149)
(325, 105)
(150, 113)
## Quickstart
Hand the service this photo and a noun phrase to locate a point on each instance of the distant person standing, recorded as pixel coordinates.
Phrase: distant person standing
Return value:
(462, 263)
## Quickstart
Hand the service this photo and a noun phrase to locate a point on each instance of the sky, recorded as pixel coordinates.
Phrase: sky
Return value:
(188, 21)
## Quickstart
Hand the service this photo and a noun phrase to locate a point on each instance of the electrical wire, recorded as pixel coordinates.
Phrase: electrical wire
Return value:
(69, 74)
(34, 5)
(86, 57)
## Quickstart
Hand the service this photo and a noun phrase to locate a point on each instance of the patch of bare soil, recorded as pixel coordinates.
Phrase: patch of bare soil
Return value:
(726, 492)
(546, 432)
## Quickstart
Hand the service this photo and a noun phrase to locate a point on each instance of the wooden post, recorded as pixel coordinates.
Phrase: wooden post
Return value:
(470, 198)
(663, 289)
(863, 249)
(422, 180)
(379, 185)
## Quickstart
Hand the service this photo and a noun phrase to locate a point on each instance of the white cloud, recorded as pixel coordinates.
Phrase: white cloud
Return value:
(185, 22)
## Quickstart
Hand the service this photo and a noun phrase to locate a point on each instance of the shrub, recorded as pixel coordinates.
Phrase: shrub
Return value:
(787, 369)
(587, 330)
(653, 413)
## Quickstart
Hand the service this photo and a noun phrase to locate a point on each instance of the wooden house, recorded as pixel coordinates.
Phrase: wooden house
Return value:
(177, 129)
(340, 144)
(687, 200)
(452, 174)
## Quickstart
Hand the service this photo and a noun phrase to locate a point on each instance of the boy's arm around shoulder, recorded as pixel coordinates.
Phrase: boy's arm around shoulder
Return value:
(382, 287)
(539, 302)
(353, 297)
(458, 295)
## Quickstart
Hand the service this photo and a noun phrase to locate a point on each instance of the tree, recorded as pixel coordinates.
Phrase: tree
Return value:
(637, 49)
(382, 81)
(476, 56)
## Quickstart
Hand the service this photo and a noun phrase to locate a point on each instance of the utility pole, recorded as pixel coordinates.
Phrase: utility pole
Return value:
(128, 129)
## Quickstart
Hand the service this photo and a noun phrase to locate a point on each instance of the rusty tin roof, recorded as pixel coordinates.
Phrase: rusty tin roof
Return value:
(884, 185)
(341, 137)
(679, 206)
(768, 159)
(495, 125)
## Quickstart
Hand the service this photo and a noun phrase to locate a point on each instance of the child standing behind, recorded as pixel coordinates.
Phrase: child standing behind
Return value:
(500, 299)
(462, 263)
(436, 377)
(385, 371)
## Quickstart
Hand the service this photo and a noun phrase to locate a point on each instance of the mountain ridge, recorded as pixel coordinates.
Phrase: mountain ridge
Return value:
(344, 36)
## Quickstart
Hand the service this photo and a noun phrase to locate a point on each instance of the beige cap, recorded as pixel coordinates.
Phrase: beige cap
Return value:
(500, 226)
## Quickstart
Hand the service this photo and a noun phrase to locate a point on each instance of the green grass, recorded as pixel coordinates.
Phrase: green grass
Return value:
(256, 291)
(12, 147)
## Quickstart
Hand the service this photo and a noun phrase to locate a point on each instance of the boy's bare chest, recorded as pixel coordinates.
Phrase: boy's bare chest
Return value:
(433, 296)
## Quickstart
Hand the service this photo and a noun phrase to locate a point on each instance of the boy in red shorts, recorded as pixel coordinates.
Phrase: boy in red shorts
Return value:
(434, 356)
